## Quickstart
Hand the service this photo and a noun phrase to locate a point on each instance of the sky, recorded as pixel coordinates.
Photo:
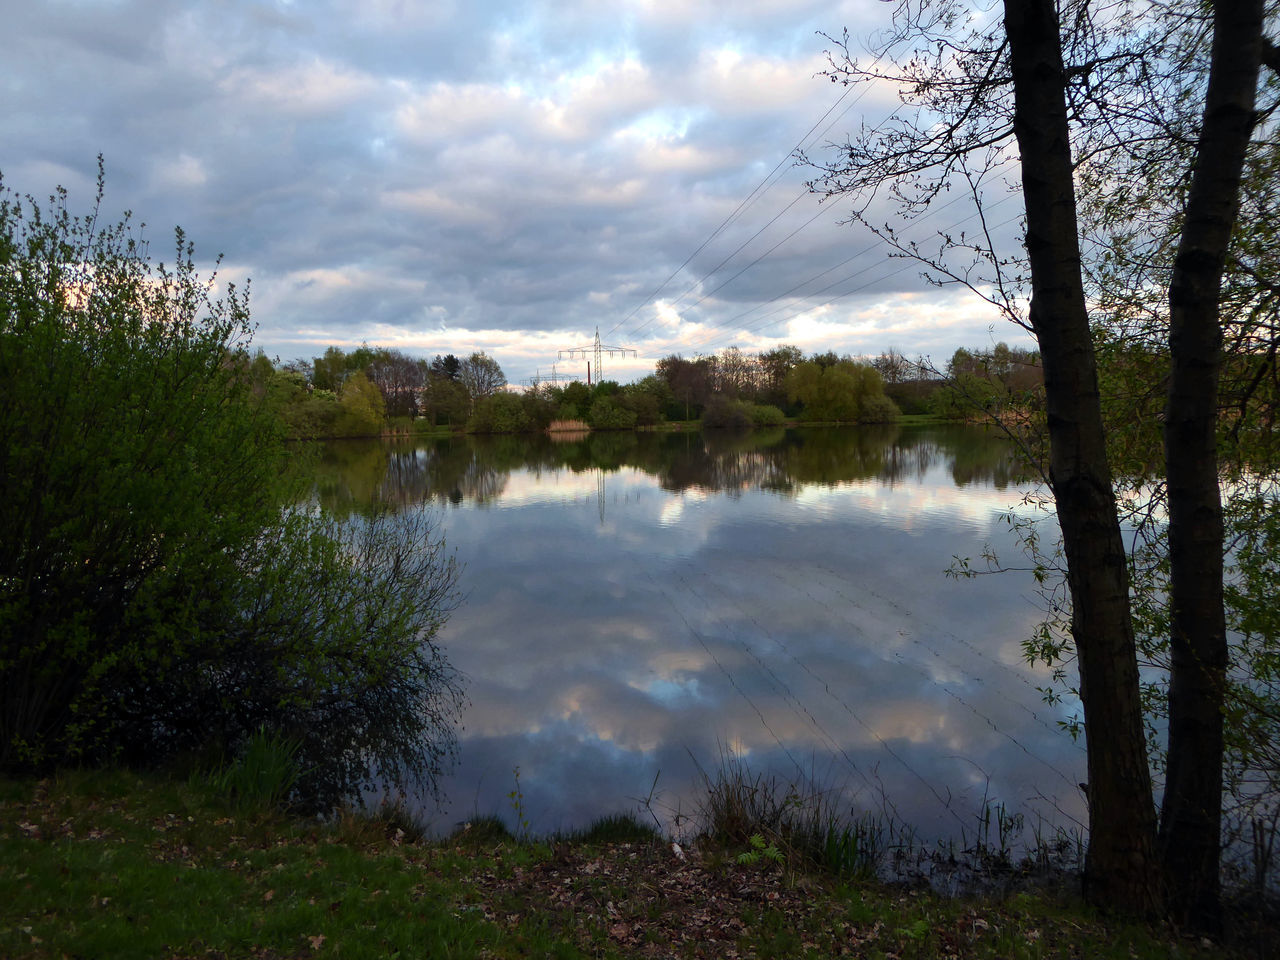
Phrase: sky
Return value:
(445, 177)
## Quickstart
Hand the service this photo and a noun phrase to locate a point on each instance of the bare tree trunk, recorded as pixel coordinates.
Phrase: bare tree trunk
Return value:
(1121, 869)
(1190, 826)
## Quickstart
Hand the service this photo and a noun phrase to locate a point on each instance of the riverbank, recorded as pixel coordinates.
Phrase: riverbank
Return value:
(116, 864)
(423, 430)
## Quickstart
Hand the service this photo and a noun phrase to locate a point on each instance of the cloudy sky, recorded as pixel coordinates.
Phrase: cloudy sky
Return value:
(502, 176)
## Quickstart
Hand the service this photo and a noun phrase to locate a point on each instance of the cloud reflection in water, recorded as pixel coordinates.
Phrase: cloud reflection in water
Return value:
(783, 595)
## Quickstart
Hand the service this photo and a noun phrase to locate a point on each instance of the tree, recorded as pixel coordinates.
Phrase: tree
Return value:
(500, 413)
(362, 411)
(481, 375)
(844, 391)
(689, 380)
(400, 379)
(447, 367)
(160, 592)
(775, 364)
(329, 370)
(976, 96)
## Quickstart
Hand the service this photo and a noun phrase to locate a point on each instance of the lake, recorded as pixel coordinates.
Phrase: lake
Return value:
(640, 605)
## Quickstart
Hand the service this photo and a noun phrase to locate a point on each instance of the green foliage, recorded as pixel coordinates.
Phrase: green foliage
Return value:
(135, 464)
(363, 412)
(264, 774)
(837, 390)
(726, 413)
(608, 414)
(722, 412)
(502, 412)
(156, 599)
(765, 415)
(878, 408)
(760, 851)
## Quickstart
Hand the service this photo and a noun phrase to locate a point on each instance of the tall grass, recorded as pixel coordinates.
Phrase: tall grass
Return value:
(815, 829)
(805, 822)
(263, 776)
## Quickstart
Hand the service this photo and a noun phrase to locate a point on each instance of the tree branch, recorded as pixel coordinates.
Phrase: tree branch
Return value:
(1270, 55)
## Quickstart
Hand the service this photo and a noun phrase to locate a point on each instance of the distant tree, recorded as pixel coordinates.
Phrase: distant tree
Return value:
(824, 360)
(607, 413)
(481, 375)
(774, 365)
(690, 380)
(330, 369)
(446, 401)
(302, 366)
(362, 413)
(894, 367)
(843, 391)
(647, 399)
(447, 367)
(400, 379)
(500, 413)
(735, 373)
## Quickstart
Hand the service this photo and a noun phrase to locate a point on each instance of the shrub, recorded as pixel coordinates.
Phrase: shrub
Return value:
(878, 409)
(501, 413)
(156, 598)
(606, 414)
(722, 412)
(766, 415)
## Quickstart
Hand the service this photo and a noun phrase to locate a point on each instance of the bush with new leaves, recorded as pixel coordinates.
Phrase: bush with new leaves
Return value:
(161, 591)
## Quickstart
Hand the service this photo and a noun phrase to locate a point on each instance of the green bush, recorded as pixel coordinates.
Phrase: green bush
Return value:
(878, 409)
(362, 411)
(766, 415)
(607, 414)
(500, 413)
(158, 594)
(723, 412)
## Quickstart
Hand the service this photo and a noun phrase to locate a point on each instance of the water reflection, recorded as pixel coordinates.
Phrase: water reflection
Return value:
(477, 469)
(638, 602)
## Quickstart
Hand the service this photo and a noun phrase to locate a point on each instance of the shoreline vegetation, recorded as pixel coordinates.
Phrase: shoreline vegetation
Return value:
(378, 391)
(113, 862)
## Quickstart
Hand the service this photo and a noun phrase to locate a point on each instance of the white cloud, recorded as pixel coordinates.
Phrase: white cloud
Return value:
(305, 89)
(181, 172)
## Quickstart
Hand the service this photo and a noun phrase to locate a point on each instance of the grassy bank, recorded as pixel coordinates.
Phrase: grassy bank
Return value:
(115, 864)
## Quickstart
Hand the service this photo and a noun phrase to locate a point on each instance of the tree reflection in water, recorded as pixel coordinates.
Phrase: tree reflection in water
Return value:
(350, 473)
(638, 600)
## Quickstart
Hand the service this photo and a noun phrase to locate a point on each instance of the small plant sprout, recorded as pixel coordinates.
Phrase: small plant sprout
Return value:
(760, 851)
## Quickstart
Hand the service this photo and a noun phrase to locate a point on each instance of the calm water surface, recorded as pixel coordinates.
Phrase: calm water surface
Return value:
(637, 605)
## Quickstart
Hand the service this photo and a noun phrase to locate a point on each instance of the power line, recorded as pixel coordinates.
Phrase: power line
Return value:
(711, 339)
(744, 204)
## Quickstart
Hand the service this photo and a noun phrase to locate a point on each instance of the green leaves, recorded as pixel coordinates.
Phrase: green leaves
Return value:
(160, 594)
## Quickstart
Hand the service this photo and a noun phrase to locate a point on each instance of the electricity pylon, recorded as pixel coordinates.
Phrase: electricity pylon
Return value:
(554, 378)
(595, 350)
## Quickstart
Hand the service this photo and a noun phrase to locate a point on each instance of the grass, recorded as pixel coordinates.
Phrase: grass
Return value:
(115, 864)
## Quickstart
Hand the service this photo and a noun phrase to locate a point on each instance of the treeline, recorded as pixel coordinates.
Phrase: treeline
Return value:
(733, 388)
(370, 391)
(992, 382)
(451, 470)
